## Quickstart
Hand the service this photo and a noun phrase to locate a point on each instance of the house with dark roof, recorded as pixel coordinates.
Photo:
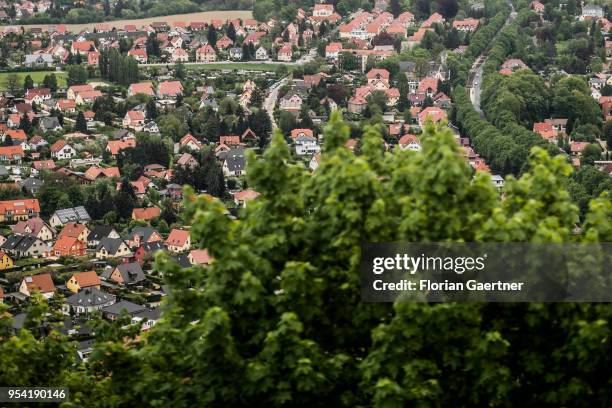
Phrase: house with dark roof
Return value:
(87, 300)
(125, 274)
(141, 235)
(112, 248)
(234, 163)
(114, 311)
(24, 246)
(147, 251)
(98, 232)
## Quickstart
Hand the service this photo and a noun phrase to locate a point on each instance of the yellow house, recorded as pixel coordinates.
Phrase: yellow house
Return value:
(82, 280)
(5, 261)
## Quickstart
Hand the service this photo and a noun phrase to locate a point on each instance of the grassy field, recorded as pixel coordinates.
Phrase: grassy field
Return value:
(37, 77)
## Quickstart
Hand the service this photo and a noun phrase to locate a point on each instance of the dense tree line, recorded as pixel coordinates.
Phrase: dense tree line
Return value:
(506, 149)
(276, 320)
(116, 67)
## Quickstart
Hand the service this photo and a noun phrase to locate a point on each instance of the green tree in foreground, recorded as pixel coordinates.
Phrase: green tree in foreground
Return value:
(276, 320)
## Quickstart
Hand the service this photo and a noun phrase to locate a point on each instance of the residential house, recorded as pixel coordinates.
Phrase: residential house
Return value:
(66, 105)
(61, 150)
(114, 311)
(431, 113)
(291, 102)
(141, 235)
(178, 241)
(112, 248)
(145, 214)
(83, 280)
(261, 54)
(306, 145)
(24, 246)
(241, 197)
(235, 53)
(93, 58)
(146, 251)
(11, 154)
(98, 232)
(467, 25)
(50, 123)
(134, 119)
(333, 50)
(88, 300)
(68, 246)
(179, 55)
(187, 160)
(145, 88)
(234, 163)
(409, 142)
(285, 53)
(66, 215)
(75, 90)
(6, 262)
(82, 47)
(206, 53)
(37, 95)
(169, 89)
(36, 227)
(191, 142)
(41, 283)
(15, 210)
(38, 60)
(139, 54)
(126, 274)
(75, 230)
(116, 146)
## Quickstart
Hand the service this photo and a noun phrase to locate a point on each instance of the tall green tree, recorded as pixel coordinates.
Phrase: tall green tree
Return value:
(81, 123)
(28, 83)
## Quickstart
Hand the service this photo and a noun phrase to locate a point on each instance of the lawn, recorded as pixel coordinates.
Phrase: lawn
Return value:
(37, 77)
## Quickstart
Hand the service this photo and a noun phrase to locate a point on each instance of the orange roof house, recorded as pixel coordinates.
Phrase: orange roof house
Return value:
(178, 240)
(545, 129)
(94, 172)
(432, 113)
(145, 214)
(75, 230)
(19, 209)
(41, 283)
(82, 280)
(115, 146)
(169, 89)
(68, 246)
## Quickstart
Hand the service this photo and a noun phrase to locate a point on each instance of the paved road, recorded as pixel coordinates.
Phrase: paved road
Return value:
(270, 101)
(476, 72)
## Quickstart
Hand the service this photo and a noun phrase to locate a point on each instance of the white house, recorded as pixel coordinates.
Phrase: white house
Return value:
(261, 54)
(62, 150)
(306, 145)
